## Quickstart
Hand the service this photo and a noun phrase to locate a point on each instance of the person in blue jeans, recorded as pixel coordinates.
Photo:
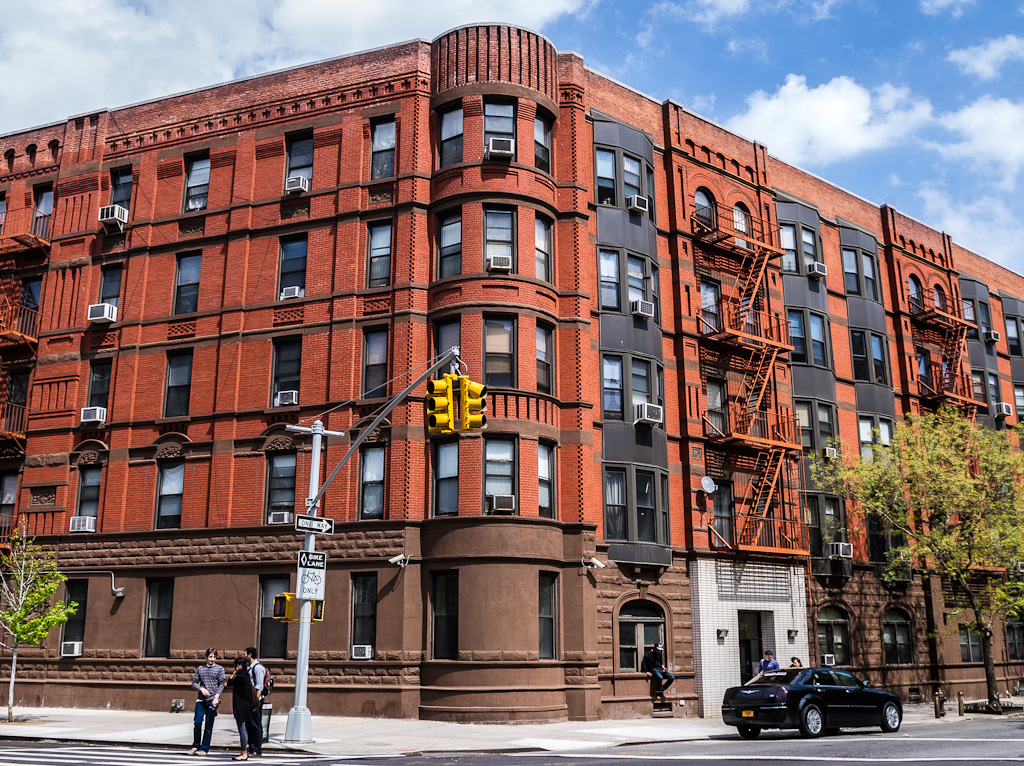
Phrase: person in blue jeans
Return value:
(258, 674)
(654, 666)
(208, 681)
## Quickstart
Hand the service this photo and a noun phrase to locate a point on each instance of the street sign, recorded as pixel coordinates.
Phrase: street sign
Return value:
(310, 582)
(314, 524)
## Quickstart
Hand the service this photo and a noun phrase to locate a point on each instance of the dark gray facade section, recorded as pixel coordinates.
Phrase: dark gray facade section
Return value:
(1017, 369)
(621, 332)
(972, 288)
(1012, 306)
(626, 443)
(858, 238)
(620, 228)
(814, 383)
(866, 314)
(983, 355)
(616, 134)
(794, 211)
(804, 292)
(875, 399)
(640, 553)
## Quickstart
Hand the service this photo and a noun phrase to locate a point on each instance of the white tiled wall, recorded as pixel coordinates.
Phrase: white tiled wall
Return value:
(722, 589)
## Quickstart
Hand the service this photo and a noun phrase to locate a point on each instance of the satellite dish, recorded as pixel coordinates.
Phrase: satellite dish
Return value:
(708, 484)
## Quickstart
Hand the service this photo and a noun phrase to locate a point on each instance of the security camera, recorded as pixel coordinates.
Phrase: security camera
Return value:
(593, 563)
(401, 560)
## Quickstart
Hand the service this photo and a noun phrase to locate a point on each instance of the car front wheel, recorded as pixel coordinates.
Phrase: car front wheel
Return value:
(812, 721)
(891, 717)
(749, 732)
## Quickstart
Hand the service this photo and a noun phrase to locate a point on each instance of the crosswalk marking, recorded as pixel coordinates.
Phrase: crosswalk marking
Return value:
(79, 755)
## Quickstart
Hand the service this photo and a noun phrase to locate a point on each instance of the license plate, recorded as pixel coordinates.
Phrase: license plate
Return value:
(746, 713)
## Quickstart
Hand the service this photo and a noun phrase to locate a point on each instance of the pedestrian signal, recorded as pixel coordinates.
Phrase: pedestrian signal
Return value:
(440, 406)
(472, 404)
(284, 608)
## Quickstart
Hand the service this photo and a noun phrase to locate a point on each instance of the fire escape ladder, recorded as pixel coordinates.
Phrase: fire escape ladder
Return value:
(764, 490)
(756, 380)
(754, 267)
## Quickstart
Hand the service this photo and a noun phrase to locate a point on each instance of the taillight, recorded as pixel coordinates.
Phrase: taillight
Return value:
(781, 692)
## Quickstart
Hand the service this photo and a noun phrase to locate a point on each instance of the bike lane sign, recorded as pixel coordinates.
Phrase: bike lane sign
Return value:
(310, 583)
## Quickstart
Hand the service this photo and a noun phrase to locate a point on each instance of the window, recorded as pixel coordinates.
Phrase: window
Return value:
(1018, 399)
(379, 270)
(76, 591)
(826, 523)
(704, 208)
(547, 611)
(978, 386)
(710, 306)
(870, 357)
(896, 637)
(641, 626)
(816, 352)
(273, 634)
(611, 385)
(99, 383)
(371, 483)
(859, 273)
(43, 203)
(449, 251)
(610, 280)
(545, 357)
(640, 377)
(375, 363)
(179, 384)
(8, 500)
(364, 609)
(883, 542)
(287, 368)
(817, 424)
(498, 235)
(915, 294)
(159, 606)
(293, 264)
(977, 311)
(1014, 639)
(17, 394)
(970, 645)
(873, 430)
(186, 293)
(725, 513)
(3, 205)
(994, 396)
(939, 300)
(446, 479)
(642, 386)
(382, 155)
(451, 137)
(30, 291)
(447, 335)
(634, 505)
(444, 598)
(741, 223)
(834, 634)
(605, 177)
(542, 143)
(499, 352)
(280, 482)
(499, 121)
(641, 282)
(630, 176)
(718, 407)
(110, 284)
(620, 176)
(542, 248)
(170, 489)
(546, 480)
(197, 182)
(499, 468)
(121, 187)
(89, 491)
(300, 157)
(1013, 335)
(796, 259)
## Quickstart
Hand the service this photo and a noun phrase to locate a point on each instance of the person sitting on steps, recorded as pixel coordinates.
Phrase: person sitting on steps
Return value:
(654, 666)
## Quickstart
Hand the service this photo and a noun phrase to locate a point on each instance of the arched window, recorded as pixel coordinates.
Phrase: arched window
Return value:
(834, 634)
(9, 159)
(30, 152)
(916, 294)
(896, 637)
(705, 207)
(641, 626)
(741, 222)
(54, 147)
(940, 297)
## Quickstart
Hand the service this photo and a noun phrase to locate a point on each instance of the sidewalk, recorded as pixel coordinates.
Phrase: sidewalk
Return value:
(354, 737)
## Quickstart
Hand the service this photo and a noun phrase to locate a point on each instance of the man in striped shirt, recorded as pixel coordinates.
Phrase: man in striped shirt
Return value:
(208, 681)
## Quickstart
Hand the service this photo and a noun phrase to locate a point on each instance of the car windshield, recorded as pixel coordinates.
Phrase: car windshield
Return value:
(772, 677)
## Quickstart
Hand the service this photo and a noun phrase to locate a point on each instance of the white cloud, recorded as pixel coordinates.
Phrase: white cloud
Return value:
(834, 121)
(989, 133)
(955, 8)
(984, 61)
(707, 12)
(985, 225)
(107, 53)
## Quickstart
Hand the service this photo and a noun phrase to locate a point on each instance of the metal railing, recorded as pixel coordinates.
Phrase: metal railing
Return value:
(12, 419)
(736, 422)
(940, 381)
(18, 320)
(25, 226)
(729, 316)
(745, 230)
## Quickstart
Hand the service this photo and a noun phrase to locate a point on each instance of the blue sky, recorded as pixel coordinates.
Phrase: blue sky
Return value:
(914, 103)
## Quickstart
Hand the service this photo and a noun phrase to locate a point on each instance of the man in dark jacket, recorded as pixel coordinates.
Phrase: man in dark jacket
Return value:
(654, 666)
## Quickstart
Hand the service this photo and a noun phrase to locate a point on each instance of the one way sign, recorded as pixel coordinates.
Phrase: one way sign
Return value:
(314, 524)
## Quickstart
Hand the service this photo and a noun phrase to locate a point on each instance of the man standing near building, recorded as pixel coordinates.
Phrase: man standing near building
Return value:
(768, 663)
(654, 666)
(208, 681)
(258, 673)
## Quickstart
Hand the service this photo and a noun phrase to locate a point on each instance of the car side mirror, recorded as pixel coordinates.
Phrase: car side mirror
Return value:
(865, 683)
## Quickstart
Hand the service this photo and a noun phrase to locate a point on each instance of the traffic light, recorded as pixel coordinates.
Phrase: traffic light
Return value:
(440, 406)
(284, 608)
(472, 404)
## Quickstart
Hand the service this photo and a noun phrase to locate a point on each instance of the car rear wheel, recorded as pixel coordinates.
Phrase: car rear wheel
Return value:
(891, 717)
(749, 732)
(812, 721)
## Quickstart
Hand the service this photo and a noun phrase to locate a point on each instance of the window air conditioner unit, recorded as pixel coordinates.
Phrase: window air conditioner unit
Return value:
(362, 651)
(503, 503)
(652, 414)
(286, 398)
(830, 453)
(292, 292)
(500, 148)
(1003, 410)
(102, 313)
(840, 550)
(94, 414)
(637, 204)
(296, 185)
(992, 336)
(642, 309)
(828, 660)
(499, 263)
(114, 214)
(817, 270)
(281, 517)
(70, 648)
(83, 524)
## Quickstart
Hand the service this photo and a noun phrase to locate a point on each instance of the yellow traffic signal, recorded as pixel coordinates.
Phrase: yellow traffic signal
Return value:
(284, 608)
(440, 406)
(472, 404)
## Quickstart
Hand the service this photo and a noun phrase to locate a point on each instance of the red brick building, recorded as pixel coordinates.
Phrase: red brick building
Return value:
(185, 277)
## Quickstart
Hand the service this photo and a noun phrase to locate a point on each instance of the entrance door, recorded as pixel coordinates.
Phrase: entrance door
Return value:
(750, 644)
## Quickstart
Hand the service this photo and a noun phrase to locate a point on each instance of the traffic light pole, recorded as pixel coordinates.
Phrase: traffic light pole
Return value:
(300, 724)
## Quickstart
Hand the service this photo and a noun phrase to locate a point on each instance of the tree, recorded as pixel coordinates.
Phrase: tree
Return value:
(28, 581)
(951, 495)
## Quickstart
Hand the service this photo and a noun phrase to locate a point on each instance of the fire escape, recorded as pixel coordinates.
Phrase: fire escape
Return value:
(753, 339)
(937, 323)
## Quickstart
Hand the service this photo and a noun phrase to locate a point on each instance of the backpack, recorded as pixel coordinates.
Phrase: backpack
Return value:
(268, 680)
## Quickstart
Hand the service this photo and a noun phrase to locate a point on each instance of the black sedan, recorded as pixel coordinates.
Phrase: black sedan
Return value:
(815, 700)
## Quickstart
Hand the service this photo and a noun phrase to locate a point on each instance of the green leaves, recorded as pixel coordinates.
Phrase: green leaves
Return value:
(29, 579)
